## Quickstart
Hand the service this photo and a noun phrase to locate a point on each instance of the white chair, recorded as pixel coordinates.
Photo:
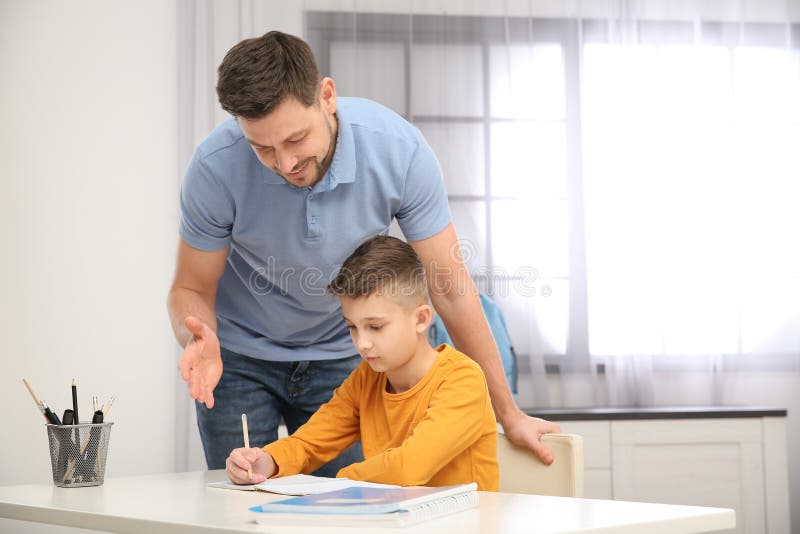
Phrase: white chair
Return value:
(522, 472)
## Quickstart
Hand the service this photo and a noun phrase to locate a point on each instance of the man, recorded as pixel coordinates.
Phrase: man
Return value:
(272, 203)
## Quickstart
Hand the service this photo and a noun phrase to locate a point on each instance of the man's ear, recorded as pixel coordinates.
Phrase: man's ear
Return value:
(327, 95)
(424, 315)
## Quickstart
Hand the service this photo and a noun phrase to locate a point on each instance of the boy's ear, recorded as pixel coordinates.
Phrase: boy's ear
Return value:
(424, 315)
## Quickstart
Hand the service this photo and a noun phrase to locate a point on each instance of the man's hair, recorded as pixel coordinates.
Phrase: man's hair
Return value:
(382, 265)
(258, 74)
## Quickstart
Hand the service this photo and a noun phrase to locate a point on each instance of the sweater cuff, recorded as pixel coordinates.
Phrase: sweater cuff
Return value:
(283, 459)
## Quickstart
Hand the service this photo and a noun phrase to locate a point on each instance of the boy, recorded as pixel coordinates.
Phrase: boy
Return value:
(423, 415)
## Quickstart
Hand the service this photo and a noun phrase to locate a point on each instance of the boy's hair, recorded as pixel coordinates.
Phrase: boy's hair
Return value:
(258, 74)
(382, 265)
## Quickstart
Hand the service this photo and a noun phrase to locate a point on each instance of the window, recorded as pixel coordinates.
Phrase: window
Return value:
(612, 199)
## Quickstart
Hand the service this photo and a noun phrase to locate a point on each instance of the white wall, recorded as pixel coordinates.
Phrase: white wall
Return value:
(88, 213)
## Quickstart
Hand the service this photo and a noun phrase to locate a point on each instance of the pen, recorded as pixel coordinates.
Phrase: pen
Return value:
(75, 402)
(246, 441)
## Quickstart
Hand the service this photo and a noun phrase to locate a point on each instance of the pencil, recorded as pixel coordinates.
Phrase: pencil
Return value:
(75, 400)
(107, 406)
(246, 441)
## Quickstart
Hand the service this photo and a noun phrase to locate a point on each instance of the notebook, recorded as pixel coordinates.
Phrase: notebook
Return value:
(369, 506)
(300, 485)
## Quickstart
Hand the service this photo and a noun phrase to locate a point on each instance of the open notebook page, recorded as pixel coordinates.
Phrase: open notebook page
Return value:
(301, 485)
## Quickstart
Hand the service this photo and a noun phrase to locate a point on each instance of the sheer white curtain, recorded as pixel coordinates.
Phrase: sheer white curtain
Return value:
(691, 173)
(623, 174)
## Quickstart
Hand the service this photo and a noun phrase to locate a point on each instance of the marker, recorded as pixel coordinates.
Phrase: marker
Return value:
(67, 448)
(48, 413)
(68, 418)
(246, 442)
(91, 446)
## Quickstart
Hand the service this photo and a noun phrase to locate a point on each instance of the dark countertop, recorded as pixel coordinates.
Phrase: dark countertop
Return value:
(666, 412)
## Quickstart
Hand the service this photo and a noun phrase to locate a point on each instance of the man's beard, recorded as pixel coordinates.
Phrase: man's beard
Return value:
(322, 166)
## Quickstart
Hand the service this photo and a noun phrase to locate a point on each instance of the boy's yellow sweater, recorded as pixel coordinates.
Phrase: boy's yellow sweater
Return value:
(440, 432)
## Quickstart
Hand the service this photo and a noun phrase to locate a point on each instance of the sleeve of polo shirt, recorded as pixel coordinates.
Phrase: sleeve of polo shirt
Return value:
(424, 211)
(207, 209)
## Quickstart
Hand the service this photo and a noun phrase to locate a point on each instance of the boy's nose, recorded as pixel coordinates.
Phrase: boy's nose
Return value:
(363, 343)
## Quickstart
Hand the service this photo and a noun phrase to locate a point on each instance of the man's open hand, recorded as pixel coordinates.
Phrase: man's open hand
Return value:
(201, 363)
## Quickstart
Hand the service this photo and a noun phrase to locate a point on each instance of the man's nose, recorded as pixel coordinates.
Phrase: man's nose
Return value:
(285, 163)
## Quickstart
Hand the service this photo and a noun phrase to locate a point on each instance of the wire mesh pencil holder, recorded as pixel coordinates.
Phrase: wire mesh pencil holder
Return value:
(78, 453)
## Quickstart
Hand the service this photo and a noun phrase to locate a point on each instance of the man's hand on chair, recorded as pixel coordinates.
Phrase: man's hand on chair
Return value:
(526, 431)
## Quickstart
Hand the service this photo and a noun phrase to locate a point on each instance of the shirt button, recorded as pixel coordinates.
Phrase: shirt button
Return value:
(313, 220)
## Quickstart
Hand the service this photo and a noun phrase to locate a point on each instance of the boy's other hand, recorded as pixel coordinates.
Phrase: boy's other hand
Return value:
(525, 431)
(240, 460)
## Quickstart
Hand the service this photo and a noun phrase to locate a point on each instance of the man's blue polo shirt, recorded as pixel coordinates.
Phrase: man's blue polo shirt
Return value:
(287, 243)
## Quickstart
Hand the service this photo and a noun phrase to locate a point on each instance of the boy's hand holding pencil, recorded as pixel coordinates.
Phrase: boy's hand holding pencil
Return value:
(249, 465)
(244, 459)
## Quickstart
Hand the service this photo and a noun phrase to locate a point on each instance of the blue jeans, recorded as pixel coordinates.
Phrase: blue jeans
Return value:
(267, 391)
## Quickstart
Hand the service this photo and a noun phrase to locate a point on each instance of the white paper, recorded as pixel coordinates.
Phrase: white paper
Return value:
(301, 485)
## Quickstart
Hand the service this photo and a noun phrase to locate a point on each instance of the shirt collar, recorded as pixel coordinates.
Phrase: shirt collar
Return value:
(343, 165)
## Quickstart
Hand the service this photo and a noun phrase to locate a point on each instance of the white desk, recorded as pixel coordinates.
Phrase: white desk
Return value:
(181, 503)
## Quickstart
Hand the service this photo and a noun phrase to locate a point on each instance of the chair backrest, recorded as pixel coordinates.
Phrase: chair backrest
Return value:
(522, 472)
